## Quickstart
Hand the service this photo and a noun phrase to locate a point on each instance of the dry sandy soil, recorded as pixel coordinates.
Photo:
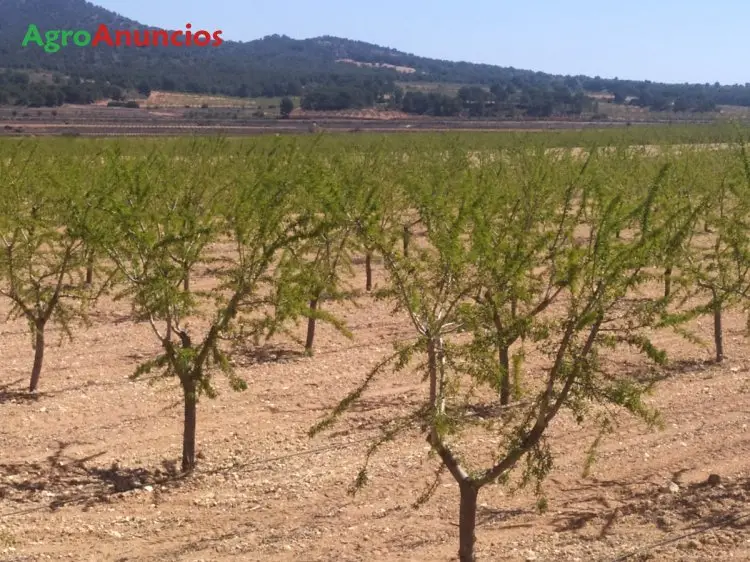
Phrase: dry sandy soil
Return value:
(370, 114)
(177, 99)
(87, 468)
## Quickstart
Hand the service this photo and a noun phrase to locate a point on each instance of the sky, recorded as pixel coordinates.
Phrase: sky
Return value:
(659, 40)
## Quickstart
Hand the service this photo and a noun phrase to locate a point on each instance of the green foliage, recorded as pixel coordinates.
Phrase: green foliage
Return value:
(530, 266)
(45, 219)
(286, 106)
(522, 253)
(165, 214)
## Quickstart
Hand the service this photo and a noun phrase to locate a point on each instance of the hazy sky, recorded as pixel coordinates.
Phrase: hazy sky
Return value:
(660, 40)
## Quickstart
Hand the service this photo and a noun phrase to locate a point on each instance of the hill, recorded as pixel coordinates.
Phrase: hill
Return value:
(330, 73)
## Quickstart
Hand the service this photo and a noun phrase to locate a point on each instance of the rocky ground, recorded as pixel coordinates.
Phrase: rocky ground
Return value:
(87, 468)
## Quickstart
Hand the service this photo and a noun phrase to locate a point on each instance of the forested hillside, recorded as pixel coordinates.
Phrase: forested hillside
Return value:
(312, 68)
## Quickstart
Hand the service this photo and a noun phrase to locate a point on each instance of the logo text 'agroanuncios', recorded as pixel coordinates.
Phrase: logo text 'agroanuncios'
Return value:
(54, 39)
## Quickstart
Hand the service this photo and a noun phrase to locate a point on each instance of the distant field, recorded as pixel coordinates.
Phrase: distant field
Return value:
(368, 114)
(735, 111)
(449, 89)
(602, 96)
(619, 111)
(177, 99)
(634, 113)
(400, 135)
(176, 120)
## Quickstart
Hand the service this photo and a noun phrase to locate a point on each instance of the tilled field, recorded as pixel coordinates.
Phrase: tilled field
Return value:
(87, 471)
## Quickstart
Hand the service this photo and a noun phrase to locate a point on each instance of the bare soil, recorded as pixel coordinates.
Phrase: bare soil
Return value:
(364, 114)
(178, 99)
(87, 469)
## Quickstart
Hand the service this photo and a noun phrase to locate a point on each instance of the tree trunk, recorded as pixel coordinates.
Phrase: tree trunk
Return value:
(36, 371)
(188, 431)
(436, 373)
(467, 521)
(186, 281)
(311, 327)
(441, 375)
(432, 371)
(90, 269)
(718, 335)
(368, 272)
(504, 352)
(667, 282)
(407, 239)
(505, 381)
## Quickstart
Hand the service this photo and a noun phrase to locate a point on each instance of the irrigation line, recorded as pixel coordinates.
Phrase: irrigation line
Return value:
(723, 522)
(293, 455)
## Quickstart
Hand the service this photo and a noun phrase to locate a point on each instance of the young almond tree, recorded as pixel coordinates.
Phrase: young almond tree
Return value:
(717, 264)
(170, 217)
(596, 270)
(44, 216)
(340, 195)
(320, 267)
(323, 275)
(370, 196)
(513, 231)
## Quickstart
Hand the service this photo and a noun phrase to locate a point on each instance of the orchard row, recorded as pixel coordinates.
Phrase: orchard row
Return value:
(495, 255)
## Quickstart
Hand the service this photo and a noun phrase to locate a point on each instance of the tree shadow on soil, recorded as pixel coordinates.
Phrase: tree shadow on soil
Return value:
(693, 510)
(390, 401)
(674, 368)
(64, 480)
(492, 516)
(10, 393)
(249, 354)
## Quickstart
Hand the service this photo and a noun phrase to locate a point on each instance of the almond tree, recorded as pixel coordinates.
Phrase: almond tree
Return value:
(320, 266)
(341, 195)
(371, 198)
(166, 217)
(44, 215)
(718, 260)
(520, 224)
(589, 278)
